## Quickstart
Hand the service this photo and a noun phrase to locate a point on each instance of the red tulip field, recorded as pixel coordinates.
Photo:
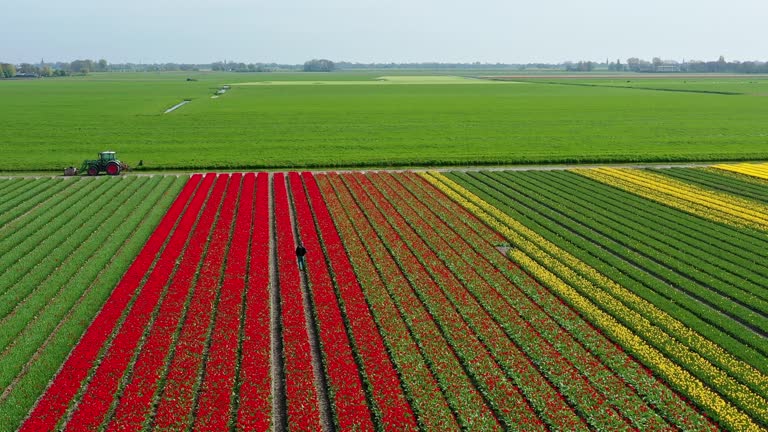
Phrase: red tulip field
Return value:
(426, 301)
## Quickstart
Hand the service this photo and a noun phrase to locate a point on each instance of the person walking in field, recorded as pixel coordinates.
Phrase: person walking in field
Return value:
(300, 252)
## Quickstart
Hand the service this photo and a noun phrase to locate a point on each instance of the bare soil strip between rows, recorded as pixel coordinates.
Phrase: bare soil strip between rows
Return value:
(326, 416)
(279, 403)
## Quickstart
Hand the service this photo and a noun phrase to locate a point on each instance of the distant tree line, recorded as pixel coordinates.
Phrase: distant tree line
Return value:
(319, 65)
(582, 66)
(43, 69)
(632, 64)
(720, 65)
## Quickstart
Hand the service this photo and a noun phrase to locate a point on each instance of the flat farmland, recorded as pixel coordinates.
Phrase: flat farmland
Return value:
(582, 299)
(405, 121)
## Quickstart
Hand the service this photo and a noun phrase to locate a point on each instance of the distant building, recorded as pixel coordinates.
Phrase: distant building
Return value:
(668, 66)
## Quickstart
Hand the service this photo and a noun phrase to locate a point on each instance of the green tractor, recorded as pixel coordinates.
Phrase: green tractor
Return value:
(106, 162)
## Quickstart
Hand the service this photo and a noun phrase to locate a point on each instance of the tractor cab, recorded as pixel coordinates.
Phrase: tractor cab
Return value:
(107, 162)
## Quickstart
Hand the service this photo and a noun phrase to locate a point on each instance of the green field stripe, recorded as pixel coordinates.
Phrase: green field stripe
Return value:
(36, 375)
(7, 184)
(54, 192)
(674, 356)
(30, 325)
(366, 125)
(674, 228)
(428, 402)
(737, 177)
(31, 206)
(19, 190)
(734, 390)
(39, 258)
(657, 256)
(57, 281)
(728, 240)
(704, 257)
(26, 238)
(628, 275)
(14, 185)
(659, 394)
(712, 180)
(51, 256)
(35, 192)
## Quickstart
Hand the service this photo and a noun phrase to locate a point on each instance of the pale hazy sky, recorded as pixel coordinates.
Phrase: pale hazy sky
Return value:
(292, 31)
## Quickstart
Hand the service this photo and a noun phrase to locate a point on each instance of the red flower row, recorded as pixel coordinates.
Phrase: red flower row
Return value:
(347, 396)
(54, 403)
(536, 358)
(446, 363)
(439, 294)
(554, 319)
(213, 411)
(136, 401)
(396, 412)
(101, 391)
(433, 412)
(175, 409)
(255, 409)
(301, 394)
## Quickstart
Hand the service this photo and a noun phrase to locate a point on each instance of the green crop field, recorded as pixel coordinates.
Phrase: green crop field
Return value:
(407, 119)
(62, 257)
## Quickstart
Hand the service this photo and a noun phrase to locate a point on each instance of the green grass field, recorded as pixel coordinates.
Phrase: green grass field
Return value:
(53, 123)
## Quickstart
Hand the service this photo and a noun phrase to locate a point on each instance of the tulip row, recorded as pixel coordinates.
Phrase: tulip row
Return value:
(543, 375)
(540, 307)
(541, 258)
(755, 170)
(136, 399)
(18, 223)
(692, 199)
(629, 248)
(452, 309)
(45, 281)
(60, 395)
(24, 195)
(255, 378)
(739, 245)
(470, 407)
(421, 386)
(390, 404)
(722, 180)
(43, 328)
(726, 203)
(174, 411)
(216, 390)
(535, 331)
(38, 236)
(95, 404)
(25, 296)
(301, 394)
(346, 387)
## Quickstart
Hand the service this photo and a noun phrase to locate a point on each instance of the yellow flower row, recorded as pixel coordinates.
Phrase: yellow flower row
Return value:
(754, 170)
(531, 245)
(729, 203)
(692, 199)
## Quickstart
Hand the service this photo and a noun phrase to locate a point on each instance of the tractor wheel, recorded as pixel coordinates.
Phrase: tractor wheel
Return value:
(113, 168)
(93, 170)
